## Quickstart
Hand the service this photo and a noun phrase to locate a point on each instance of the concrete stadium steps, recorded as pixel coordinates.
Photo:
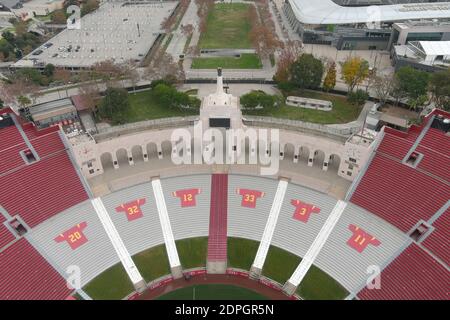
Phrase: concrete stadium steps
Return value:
(246, 222)
(92, 257)
(6, 235)
(345, 264)
(395, 146)
(297, 236)
(217, 241)
(399, 194)
(413, 275)
(36, 193)
(434, 162)
(437, 241)
(142, 233)
(188, 222)
(26, 275)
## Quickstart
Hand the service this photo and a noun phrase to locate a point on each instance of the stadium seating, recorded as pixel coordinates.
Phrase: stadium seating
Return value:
(42, 189)
(143, 232)
(93, 256)
(394, 145)
(437, 140)
(5, 235)
(434, 162)
(346, 264)
(188, 221)
(217, 241)
(25, 274)
(437, 241)
(246, 222)
(414, 274)
(399, 194)
(297, 236)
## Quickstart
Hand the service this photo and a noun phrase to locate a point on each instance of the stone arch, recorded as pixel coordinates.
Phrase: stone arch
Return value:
(334, 162)
(289, 151)
(152, 150)
(137, 154)
(166, 147)
(318, 158)
(122, 156)
(303, 155)
(106, 160)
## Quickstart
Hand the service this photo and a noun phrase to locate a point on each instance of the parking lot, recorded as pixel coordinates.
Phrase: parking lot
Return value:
(117, 30)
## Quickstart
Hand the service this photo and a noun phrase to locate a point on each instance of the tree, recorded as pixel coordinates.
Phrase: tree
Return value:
(89, 95)
(307, 72)
(49, 70)
(114, 105)
(89, 6)
(418, 102)
(383, 86)
(358, 98)
(23, 101)
(162, 67)
(64, 76)
(58, 17)
(330, 79)
(411, 83)
(354, 71)
(290, 53)
(187, 30)
(258, 100)
(440, 89)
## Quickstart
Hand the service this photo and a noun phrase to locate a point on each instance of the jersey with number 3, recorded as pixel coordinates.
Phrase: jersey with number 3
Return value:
(249, 197)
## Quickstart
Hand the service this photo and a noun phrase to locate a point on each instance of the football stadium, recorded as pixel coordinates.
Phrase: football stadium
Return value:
(253, 150)
(182, 231)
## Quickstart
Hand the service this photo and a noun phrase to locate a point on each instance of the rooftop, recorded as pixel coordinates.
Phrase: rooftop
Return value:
(328, 12)
(117, 30)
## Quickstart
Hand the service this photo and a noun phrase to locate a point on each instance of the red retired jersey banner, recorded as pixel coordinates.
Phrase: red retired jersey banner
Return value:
(187, 197)
(74, 236)
(132, 209)
(361, 239)
(249, 197)
(303, 210)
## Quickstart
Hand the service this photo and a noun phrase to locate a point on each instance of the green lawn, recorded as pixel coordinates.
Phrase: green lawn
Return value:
(212, 292)
(152, 263)
(342, 111)
(280, 264)
(241, 252)
(112, 284)
(245, 61)
(143, 106)
(192, 252)
(318, 285)
(227, 27)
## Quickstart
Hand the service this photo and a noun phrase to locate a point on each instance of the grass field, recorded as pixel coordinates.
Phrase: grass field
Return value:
(245, 61)
(192, 252)
(212, 292)
(114, 284)
(342, 112)
(227, 27)
(241, 252)
(152, 263)
(318, 285)
(279, 264)
(143, 106)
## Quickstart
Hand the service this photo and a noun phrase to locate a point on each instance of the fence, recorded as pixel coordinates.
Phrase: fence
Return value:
(335, 133)
(164, 123)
